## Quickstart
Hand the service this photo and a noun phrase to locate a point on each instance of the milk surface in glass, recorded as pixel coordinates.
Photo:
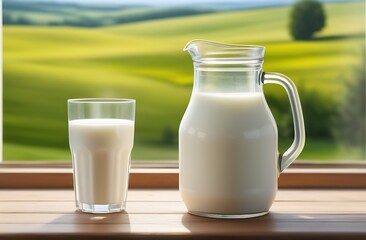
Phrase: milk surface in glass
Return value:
(228, 153)
(101, 151)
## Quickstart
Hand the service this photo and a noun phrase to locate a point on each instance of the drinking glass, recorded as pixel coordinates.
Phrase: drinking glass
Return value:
(101, 133)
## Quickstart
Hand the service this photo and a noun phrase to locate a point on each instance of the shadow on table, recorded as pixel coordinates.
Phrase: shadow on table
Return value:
(89, 224)
(210, 228)
(277, 224)
(202, 225)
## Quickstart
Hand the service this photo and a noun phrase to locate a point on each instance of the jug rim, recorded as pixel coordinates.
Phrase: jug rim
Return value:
(237, 46)
(209, 51)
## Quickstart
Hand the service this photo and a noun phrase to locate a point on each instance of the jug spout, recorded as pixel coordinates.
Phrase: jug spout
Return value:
(199, 48)
(204, 50)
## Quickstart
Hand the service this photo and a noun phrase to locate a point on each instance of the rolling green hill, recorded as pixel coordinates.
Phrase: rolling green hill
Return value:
(58, 13)
(44, 66)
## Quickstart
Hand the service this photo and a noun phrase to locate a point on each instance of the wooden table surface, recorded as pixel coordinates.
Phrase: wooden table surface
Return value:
(160, 214)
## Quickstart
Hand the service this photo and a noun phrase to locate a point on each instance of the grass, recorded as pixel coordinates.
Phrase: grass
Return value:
(44, 66)
(26, 153)
(314, 150)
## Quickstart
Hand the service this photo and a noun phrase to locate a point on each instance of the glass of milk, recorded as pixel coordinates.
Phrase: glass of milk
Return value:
(101, 133)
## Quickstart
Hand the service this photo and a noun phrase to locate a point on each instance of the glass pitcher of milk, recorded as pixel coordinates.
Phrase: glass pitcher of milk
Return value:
(228, 156)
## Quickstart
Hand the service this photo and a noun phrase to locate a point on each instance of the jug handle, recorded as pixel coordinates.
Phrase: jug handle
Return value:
(299, 130)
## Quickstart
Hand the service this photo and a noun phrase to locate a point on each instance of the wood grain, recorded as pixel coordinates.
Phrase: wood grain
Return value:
(160, 214)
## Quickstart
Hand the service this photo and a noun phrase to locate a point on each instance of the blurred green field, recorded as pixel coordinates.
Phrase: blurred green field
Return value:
(90, 13)
(44, 66)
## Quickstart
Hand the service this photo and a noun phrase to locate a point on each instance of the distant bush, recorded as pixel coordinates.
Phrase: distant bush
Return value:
(307, 17)
(82, 22)
(8, 19)
(24, 21)
(169, 136)
(280, 109)
(320, 115)
(352, 113)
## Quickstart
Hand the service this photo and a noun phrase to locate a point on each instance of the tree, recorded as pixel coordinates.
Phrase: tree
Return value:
(307, 17)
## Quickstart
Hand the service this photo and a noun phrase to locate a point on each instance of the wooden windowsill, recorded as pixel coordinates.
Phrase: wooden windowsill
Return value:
(300, 176)
(160, 214)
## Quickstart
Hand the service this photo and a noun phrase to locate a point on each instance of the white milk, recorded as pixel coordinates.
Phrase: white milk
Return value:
(101, 151)
(228, 154)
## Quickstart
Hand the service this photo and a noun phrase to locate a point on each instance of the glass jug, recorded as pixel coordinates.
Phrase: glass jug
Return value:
(228, 156)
